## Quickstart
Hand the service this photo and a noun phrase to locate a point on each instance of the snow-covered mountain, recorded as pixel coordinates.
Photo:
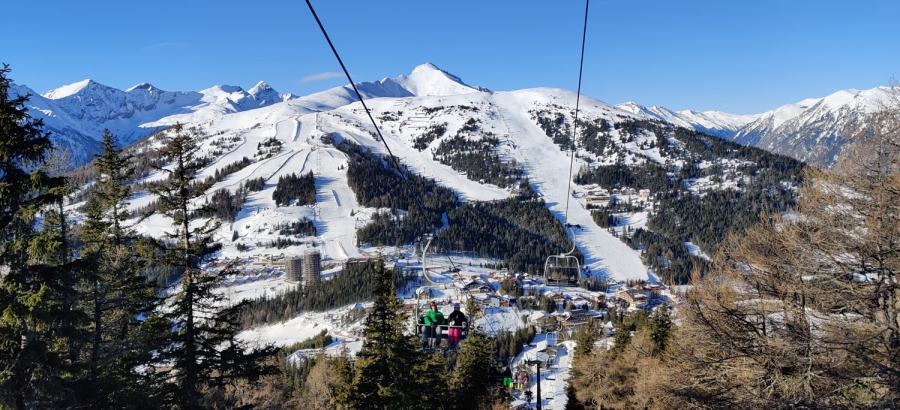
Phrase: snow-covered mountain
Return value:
(76, 114)
(428, 120)
(720, 124)
(813, 130)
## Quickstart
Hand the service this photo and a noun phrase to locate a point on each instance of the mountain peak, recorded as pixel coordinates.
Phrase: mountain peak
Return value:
(426, 67)
(430, 70)
(260, 87)
(142, 86)
(67, 90)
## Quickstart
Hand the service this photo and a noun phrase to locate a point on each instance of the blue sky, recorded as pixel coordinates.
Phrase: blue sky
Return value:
(735, 56)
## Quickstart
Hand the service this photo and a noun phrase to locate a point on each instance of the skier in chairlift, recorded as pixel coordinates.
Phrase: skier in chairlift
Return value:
(433, 320)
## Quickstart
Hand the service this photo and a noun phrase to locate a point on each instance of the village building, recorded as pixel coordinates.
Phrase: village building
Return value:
(632, 296)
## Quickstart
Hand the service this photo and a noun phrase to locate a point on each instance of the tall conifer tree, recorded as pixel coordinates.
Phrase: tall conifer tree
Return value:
(384, 376)
(116, 292)
(32, 318)
(204, 352)
(471, 384)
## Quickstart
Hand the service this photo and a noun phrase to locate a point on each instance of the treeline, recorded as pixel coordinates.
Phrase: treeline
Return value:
(351, 284)
(520, 232)
(681, 216)
(668, 257)
(295, 188)
(647, 175)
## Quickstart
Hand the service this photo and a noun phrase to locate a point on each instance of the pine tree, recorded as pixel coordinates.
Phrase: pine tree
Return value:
(384, 372)
(204, 352)
(660, 329)
(471, 381)
(116, 292)
(35, 317)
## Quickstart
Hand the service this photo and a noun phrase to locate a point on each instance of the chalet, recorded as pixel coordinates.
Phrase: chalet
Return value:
(574, 317)
(598, 297)
(557, 297)
(579, 301)
(473, 286)
(543, 321)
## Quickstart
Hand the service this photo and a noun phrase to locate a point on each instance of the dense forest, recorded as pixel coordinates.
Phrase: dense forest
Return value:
(351, 284)
(521, 232)
(290, 188)
(766, 184)
(474, 153)
(378, 186)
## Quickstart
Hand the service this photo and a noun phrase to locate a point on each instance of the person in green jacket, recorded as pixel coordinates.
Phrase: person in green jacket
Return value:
(433, 319)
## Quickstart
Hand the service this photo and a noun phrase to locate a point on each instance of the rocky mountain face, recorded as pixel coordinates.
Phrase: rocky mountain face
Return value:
(813, 130)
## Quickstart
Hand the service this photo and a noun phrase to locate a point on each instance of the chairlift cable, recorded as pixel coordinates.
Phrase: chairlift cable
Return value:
(394, 160)
(577, 100)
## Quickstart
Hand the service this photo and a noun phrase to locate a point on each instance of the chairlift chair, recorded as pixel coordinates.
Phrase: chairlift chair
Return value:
(563, 270)
(420, 308)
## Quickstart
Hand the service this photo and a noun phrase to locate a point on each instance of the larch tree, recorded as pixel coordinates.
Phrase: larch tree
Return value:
(804, 309)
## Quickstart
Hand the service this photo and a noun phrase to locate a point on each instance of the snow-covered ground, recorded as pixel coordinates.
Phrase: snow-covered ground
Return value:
(404, 108)
(300, 129)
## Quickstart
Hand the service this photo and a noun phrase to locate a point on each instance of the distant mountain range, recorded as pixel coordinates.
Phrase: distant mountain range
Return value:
(811, 130)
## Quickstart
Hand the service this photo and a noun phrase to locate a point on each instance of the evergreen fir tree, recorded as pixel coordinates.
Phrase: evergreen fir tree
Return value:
(34, 294)
(384, 372)
(116, 292)
(434, 375)
(472, 382)
(660, 329)
(204, 352)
